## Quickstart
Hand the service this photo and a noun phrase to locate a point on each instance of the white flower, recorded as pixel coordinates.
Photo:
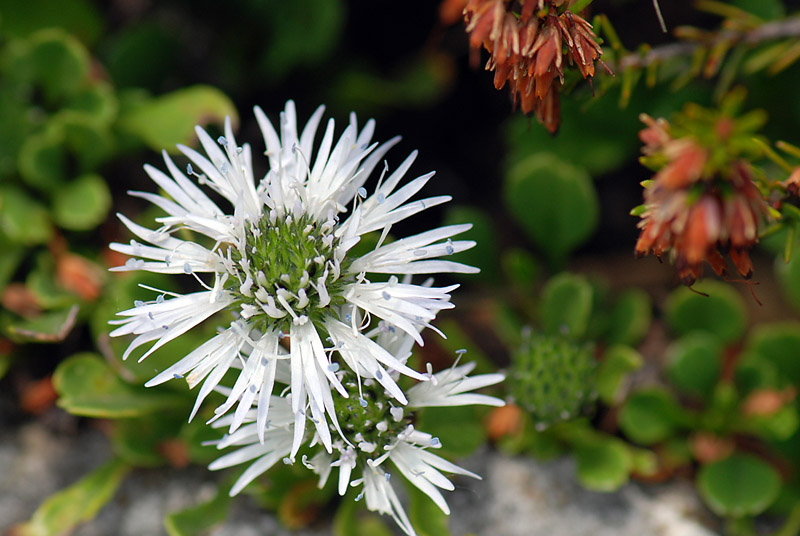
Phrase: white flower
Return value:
(281, 261)
(378, 440)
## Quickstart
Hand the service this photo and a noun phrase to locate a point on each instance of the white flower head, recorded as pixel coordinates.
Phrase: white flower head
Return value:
(280, 259)
(379, 441)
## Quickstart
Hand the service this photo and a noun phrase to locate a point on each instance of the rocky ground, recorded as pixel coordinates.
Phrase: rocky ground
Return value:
(517, 497)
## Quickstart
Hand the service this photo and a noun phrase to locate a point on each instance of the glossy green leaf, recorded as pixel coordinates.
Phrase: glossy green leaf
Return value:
(554, 202)
(630, 318)
(778, 344)
(165, 121)
(137, 440)
(778, 426)
(740, 485)
(47, 328)
(458, 428)
(87, 386)
(618, 361)
(97, 102)
(485, 253)
(721, 312)
(566, 305)
(23, 219)
(78, 503)
(603, 465)
(89, 141)
(42, 161)
(649, 416)
(58, 62)
(41, 281)
(199, 519)
(82, 204)
(694, 363)
(426, 518)
(9, 260)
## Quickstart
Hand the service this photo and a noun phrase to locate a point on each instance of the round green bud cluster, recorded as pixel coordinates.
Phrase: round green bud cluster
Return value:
(368, 419)
(287, 270)
(553, 378)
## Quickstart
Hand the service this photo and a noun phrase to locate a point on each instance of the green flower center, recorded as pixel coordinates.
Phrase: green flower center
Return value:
(288, 272)
(368, 420)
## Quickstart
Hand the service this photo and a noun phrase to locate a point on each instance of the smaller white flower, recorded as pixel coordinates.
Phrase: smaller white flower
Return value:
(377, 437)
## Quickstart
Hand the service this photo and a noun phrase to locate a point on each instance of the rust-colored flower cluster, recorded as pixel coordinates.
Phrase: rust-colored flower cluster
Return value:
(527, 40)
(694, 209)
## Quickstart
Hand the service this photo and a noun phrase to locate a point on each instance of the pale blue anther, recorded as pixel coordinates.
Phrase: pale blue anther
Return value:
(222, 141)
(362, 402)
(435, 442)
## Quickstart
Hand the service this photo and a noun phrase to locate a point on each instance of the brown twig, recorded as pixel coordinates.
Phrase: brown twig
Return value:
(766, 32)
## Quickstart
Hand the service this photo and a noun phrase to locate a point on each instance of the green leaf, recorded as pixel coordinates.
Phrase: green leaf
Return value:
(554, 202)
(603, 465)
(764, 9)
(630, 318)
(484, 254)
(740, 485)
(87, 386)
(9, 260)
(458, 428)
(168, 120)
(82, 204)
(78, 503)
(58, 62)
(42, 161)
(650, 416)
(23, 219)
(48, 327)
(426, 518)
(566, 305)
(41, 281)
(618, 361)
(778, 344)
(694, 363)
(721, 312)
(197, 520)
(137, 440)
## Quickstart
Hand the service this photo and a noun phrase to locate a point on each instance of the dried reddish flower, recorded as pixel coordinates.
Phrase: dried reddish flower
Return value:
(694, 212)
(527, 49)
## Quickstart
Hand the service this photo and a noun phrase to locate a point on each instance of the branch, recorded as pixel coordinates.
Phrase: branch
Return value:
(766, 32)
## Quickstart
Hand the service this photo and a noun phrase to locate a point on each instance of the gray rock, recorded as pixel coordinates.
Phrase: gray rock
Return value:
(517, 496)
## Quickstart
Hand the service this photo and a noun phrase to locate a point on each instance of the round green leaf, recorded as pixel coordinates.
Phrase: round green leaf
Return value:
(82, 204)
(618, 361)
(87, 386)
(740, 485)
(694, 363)
(630, 318)
(779, 344)
(58, 61)
(520, 268)
(721, 312)
(649, 416)
(168, 120)
(42, 161)
(566, 305)
(23, 219)
(603, 465)
(554, 202)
